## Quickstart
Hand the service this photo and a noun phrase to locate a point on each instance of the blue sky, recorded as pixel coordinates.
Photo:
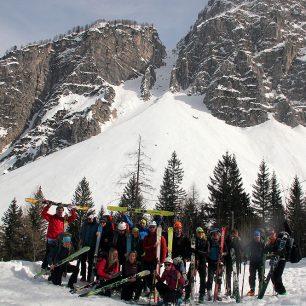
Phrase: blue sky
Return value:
(23, 21)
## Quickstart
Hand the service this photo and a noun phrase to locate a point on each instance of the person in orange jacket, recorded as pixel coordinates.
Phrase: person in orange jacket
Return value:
(55, 227)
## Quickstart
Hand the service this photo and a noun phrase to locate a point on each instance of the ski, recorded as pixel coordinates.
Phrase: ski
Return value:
(68, 258)
(273, 263)
(236, 293)
(170, 241)
(128, 244)
(44, 202)
(81, 288)
(94, 263)
(158, 240)
(219, 266)
(163, 213)
(192, 271)
(118, 283)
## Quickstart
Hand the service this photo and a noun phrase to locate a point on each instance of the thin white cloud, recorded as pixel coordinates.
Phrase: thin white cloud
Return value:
(27, 21)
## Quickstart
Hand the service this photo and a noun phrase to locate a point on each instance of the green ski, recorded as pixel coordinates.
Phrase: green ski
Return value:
(120, 282)
(68, 258)
(163, 213)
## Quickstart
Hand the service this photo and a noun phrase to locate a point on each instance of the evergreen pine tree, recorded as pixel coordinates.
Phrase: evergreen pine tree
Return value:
(261, 194)
(191, 208)
(172, 194)
(227, 196)
(81, 197)
(132, 197)
(296, 213)
(276, 214)
(36, 228)
(13, 232)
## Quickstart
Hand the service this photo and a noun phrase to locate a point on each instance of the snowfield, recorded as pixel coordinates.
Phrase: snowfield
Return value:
(18, 288)
(166, 122)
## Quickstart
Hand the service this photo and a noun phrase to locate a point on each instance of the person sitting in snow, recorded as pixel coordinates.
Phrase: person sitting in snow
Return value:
(60, 252)
(172, 290)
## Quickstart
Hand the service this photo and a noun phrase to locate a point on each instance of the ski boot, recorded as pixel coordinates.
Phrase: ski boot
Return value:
(251, 293)
(209, 296)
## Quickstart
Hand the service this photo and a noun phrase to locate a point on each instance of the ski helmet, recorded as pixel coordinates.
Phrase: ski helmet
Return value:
(199, 230)
(178, 224)
(121, 226)
(214, 230)
(283, 235)
(152, 223)
(143, 221)
(135, 230)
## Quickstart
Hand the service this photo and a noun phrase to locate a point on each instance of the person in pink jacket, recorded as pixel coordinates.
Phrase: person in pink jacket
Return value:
(171, 291)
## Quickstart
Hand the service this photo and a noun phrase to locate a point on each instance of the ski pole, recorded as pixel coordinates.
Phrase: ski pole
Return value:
(244, 264)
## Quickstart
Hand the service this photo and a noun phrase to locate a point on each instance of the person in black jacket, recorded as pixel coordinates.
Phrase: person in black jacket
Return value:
(232, 241)
(135, 285)
(106, 228)
(201, 249)
(88, 237)
(60, 252)
(180, 246)
(255, 253)
(119, 241)
(276, 247)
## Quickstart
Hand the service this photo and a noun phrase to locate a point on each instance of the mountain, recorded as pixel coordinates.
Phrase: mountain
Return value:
(248, 59)
(167, 122)
(87, 106)
(59, 93)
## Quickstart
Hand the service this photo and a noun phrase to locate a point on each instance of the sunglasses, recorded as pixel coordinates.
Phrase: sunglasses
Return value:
(167, 264)
(152, 226)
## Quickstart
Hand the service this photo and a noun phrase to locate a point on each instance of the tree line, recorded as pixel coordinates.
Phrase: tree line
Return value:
(22, 234)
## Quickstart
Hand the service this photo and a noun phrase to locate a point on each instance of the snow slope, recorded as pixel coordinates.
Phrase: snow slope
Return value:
(166, 123)
(18, 288)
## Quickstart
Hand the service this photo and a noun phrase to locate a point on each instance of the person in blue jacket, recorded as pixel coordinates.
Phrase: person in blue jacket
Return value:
(88, 237)
(142, 226)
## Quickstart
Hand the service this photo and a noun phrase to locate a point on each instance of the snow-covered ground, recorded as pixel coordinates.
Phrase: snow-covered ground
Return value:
(18, 288)
(166, 123)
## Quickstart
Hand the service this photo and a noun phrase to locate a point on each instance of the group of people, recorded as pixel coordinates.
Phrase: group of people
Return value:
(126, 249)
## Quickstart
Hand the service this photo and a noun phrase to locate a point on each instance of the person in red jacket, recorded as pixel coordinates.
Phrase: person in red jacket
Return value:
(172, 291)
(108, 270)
(55, 227)
(150, 258)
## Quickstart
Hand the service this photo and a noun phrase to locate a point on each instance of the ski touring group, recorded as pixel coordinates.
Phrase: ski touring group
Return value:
(127, 258)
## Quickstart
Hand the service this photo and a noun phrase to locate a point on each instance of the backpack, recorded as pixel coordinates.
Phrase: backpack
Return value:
(294, 254)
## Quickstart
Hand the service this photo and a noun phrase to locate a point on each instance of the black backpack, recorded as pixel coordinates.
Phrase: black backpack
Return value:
(294, 254)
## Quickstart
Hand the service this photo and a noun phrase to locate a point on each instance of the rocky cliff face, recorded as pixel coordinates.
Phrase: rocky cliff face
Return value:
(248, 59)
(57, 94)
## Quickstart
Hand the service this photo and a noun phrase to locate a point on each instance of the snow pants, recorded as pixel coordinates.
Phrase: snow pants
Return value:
(168, 295)
(256, 267)
(277, 277)
(88, 256)
(130, 288)
(212, 270)
(57, 273)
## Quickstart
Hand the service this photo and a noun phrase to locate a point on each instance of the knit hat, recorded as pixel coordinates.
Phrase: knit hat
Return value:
(168, 260)
(257, 233)
(66, 239)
